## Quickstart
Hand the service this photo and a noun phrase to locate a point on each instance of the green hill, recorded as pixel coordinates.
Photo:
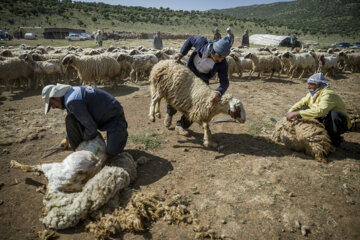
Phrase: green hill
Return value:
(277, 18)
(310, 16)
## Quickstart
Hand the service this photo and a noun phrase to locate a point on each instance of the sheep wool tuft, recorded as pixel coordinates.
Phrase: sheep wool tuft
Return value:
(140, 211)
(308, 136)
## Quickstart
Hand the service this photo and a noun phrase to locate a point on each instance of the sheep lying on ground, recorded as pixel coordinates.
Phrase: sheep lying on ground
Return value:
(263, 64)
(79, 185)
(304, 61)
(308, 136)
(92, 69)
(190, 95)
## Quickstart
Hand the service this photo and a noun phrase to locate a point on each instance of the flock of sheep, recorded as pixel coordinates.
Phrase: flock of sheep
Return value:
(38, 66)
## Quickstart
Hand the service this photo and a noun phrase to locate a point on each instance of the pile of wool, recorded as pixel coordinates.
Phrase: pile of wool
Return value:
(138, 214)
(309, 136)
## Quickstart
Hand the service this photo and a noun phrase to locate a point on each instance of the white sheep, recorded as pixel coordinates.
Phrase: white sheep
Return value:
(263, 64)
(189, 95)
(13, 69)
(308, 136)
(46, 69)
(352, 61)
(141, 64)
(234, 65)
(94, 68)
(79, 185)
(328, 64)
(304, 61)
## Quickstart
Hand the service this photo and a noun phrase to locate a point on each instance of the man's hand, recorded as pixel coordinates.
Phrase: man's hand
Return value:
(215, 97)
(65, 143)
(178, 57)
(292, 115)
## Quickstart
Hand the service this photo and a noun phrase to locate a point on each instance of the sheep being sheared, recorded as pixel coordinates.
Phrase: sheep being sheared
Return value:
(308, 136)
(79, 185)
(189, 95)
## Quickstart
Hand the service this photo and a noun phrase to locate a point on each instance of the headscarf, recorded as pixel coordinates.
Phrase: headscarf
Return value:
(316, 79)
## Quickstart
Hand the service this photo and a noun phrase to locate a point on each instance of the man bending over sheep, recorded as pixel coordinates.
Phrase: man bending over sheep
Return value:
(207, 59)
(323, 104)
(88, 109)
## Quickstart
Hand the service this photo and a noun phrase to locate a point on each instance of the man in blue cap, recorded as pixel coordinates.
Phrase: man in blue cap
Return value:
(207, 59)
(88, 109)
(323, 104)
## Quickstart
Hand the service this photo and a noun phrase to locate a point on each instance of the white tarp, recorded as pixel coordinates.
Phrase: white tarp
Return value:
(266, 39)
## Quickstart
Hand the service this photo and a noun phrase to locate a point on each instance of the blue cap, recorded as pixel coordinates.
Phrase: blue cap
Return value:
(222, 46)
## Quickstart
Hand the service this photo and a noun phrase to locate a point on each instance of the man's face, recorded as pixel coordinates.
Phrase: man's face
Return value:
(312, 86)
(217, 58)
(56, 103)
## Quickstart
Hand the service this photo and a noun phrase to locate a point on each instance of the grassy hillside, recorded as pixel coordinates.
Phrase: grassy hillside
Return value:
(310, 16)
(35, 15)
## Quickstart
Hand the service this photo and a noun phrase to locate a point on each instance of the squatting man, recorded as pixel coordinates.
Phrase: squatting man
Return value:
(323, 104)
(88, 109)
(207, 59)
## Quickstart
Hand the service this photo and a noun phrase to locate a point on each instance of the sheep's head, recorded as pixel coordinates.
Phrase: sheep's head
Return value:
(26, 56)
(67, 60)
(124, 57)
(237, 110)
(249, 55)
(285, 55)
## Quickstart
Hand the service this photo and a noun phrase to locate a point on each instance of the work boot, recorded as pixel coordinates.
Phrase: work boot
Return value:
(167, 121)
(181, 131)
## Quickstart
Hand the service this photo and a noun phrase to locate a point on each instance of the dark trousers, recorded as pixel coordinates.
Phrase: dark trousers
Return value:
(335, 124)
(116, 139)
(183, 122)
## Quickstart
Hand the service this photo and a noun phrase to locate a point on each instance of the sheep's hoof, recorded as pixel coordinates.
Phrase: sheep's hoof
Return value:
(158, 115)
(152, 119)
(210, 144)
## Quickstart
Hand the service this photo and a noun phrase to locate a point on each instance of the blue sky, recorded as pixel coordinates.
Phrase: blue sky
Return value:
(188, 5)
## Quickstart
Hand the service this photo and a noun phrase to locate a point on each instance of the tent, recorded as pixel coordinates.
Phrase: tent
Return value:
(269, 40)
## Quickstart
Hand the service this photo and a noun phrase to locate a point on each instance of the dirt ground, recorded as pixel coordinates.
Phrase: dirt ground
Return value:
(251, 189)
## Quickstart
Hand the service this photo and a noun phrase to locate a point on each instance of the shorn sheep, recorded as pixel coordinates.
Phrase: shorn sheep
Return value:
(328, 64)
(263, 64)
(310, 137)
(352, 61)
(141, 64)
(189, 95)
(93, 69)
(79, 185)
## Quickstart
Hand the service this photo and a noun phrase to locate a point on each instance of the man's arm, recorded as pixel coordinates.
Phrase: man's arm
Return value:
(322, 108)
(79, 109)
(223, 78)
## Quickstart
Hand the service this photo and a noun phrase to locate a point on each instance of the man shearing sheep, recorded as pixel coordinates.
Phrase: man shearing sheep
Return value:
(88, 109)
(323, 104)
(207, 59)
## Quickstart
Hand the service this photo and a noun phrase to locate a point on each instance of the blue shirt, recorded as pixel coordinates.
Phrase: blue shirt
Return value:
(204, 47)
(94, 109)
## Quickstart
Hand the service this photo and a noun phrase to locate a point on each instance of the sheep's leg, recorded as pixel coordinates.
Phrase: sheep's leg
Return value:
(133, 75)
(155, 98)
(259, 74)
(157, 110)
(24, 167)
(208, 142)
(251, 72)
(302, 73)
(272, 74)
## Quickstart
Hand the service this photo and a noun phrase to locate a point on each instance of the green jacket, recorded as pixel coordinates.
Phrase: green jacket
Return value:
(325, 101)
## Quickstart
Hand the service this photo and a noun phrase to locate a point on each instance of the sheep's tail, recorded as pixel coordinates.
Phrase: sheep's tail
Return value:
(24, 167)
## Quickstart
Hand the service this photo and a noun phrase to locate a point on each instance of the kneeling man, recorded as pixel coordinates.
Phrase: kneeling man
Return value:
(323, 104)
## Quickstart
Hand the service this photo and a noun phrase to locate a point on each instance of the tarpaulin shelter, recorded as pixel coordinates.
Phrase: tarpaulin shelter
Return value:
(269, 40)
